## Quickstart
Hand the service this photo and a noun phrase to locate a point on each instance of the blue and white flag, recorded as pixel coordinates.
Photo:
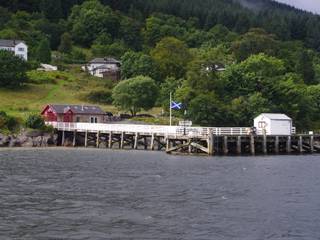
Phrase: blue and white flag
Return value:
(176, 105)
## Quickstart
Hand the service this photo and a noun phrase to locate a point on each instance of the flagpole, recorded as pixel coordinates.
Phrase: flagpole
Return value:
(170, 108)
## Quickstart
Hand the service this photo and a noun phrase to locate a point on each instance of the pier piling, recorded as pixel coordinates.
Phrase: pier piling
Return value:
(210, 141)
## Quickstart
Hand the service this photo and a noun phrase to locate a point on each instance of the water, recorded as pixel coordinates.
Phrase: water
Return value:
(102, 194)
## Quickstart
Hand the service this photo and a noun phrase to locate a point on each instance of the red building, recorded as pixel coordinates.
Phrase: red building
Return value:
(73, 113)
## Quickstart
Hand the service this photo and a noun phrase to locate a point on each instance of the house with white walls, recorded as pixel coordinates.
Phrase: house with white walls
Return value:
(18, 47)
(274, 124)
(104, 68)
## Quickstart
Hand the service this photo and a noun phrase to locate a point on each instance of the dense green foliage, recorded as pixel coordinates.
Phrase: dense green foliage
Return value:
(12, 70)
(225, 62)
(35, 121)
(100, 96)
(8, 123)
(135, 94)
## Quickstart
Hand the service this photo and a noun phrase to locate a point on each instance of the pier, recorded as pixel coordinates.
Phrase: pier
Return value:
(188, 140)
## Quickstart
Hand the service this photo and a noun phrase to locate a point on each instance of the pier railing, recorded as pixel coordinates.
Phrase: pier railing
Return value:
(149, 129)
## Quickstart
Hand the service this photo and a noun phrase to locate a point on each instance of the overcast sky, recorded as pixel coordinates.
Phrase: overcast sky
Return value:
(309, 5)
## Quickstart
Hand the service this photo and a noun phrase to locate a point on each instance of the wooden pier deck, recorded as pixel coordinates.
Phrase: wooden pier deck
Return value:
(176, 139)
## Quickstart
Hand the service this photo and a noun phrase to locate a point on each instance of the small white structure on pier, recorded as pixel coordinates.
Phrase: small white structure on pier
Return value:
(273, 124)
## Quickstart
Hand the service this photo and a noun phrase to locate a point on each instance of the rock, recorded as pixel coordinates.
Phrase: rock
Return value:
(32, 138)
(28, 143)
(5, 140)
(34, 133)
(14, 142)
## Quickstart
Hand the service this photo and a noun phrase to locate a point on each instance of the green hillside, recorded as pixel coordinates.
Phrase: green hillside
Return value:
(226, 61)
(70, 86)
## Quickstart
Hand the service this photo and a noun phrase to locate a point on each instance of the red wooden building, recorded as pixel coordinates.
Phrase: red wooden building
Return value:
(73, 113)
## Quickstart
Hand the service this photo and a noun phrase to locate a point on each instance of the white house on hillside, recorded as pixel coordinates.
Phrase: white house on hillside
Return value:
(18, 47)
(104, 68)
(273, 124)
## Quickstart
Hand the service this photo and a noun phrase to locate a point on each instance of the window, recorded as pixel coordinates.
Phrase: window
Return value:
(93, 119)
(262, 124)
(78, 119)
(21, 49)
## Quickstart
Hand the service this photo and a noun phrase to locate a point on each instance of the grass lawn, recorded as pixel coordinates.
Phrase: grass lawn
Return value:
(67, 87)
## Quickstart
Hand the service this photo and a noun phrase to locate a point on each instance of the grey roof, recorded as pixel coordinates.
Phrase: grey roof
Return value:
(276, 116)
(106, 60)
(104, 66)
(10, 43)
(77, 109)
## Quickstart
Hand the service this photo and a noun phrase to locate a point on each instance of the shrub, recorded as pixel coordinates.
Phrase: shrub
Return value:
(38, 77)
(12, 70)
(35, 121)
(8, 123)
(100, 96)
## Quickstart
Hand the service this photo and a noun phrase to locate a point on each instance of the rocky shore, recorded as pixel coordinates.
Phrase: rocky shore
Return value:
(32, 138)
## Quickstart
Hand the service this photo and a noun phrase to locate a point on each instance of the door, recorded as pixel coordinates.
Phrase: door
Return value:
(68, 117)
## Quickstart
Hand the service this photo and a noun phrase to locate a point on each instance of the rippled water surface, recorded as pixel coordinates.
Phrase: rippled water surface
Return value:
(101, 194)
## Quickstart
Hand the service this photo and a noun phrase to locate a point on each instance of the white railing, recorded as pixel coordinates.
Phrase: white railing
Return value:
(148, 129)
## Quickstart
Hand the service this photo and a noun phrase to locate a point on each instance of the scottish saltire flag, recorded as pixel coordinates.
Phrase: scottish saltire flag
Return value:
(176, 105)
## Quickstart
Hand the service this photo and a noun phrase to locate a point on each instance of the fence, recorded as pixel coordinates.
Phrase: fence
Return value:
(149, 129)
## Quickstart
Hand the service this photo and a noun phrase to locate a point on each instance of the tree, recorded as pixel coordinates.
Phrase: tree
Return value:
(172, 56)
(254, 42)
(44, 51)
(12, 70)
(203, 74)
(91, 19)
(256, 74)
(206, 110)
(135, 94)
(35, 121)
(8, 123)
(51, 9)
(244, 109)
(66, 43)
(138, 63)
(116, 49)
(305, 67)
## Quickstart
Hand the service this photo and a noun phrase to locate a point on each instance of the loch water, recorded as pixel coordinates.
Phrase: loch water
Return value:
(54, 194)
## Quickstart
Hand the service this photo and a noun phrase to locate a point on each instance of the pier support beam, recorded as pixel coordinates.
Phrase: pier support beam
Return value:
(312, 144)
(264, 144)
(225, 145)
(98, 140)
(63, 138)
(110, 140)
(74, 138)
(136, 139)
(145, 143)
(300, 144)
(86, 139)
(252, 145)
(122, 140)
(276, 145)
(210, 143)
(152, 142)
(289, 144)
(167, 144)
(239, 150)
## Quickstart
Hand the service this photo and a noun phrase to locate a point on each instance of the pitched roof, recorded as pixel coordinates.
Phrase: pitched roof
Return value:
(276, 116)
(104, 66)
(106, 60)
(9, 43)
(77, 109)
